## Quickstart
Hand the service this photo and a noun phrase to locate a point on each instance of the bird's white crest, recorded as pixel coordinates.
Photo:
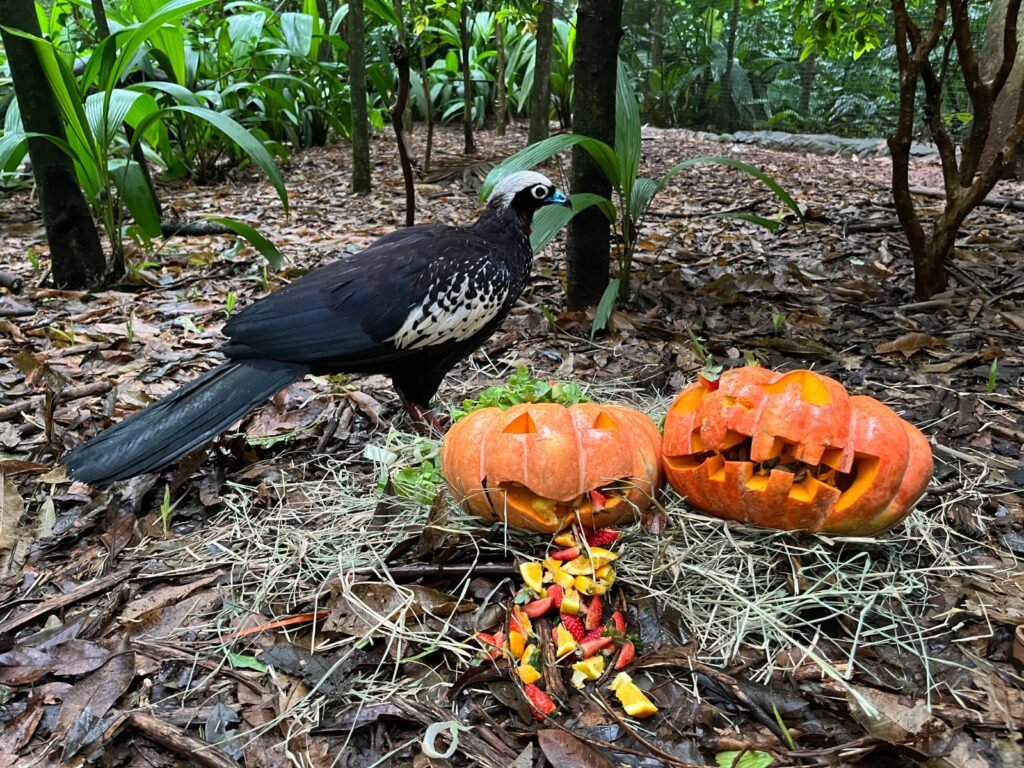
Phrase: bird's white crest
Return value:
(512, 185)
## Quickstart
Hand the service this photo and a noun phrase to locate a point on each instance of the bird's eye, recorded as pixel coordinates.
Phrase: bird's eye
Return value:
(540, 192)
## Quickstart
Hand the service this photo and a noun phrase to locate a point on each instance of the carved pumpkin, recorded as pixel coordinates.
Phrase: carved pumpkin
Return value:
(538, 465)
(793, 451)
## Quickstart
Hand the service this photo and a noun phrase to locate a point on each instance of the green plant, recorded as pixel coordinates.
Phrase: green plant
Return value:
(993, 376)
(634, 194)
(522, 388)
(95, 109)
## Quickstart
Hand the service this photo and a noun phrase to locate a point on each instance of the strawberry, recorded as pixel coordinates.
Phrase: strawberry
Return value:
(597, 501)
(566, 554)
(626, 654)
(619, 621)
(594, 613)
(537, 608)
(594, 634)
(540, 703)
(575, 626)
(556, 593)
(589, 647)
(602, 537)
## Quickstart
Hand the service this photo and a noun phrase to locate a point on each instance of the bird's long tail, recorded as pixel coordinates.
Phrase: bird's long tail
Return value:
(181, 422)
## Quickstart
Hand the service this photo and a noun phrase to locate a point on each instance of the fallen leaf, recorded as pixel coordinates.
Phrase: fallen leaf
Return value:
(909, 343)
(566, 751)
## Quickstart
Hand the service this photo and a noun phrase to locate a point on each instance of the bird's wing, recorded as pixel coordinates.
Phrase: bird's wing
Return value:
(412, 288)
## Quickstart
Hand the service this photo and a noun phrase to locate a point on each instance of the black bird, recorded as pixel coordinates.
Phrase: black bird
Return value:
(411, 305)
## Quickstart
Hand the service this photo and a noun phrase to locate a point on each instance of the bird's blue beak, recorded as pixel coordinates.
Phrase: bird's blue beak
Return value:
(557, 198)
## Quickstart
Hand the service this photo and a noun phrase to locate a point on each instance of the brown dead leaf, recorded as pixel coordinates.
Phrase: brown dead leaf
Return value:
(909, 343)
(360, 611)
(164, 596)
(75, 657)
(81, 716)
(12, 506)
(566, 751)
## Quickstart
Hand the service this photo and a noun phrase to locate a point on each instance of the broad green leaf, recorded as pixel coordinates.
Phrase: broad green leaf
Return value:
(605, 307)
(627, 131)
(644, 191)
(758, 174)
(548, 221)
(106, 125)
(167, 43)
(65, 90)
(245, 141)
(13, 147)
(245, 31)
(177, 92)
(241, 661)
(752, 758)
(136, 194)
(139, 34)
(297, 29)
(265, 247)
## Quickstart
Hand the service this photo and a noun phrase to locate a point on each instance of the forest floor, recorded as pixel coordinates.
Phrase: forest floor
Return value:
(137, 622)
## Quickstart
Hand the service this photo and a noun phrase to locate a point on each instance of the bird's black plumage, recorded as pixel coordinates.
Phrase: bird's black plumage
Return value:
(411, 305)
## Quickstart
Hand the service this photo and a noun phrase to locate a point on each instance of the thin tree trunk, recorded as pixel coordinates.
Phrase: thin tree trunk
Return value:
(729, 110)
(500, 106)
(540, 98)
(469, 147)
(598, 30)
(318, 128)
(401, 58)
(75, 252)
(357, 85)
(429, 107)
(966, 180)
(407, 121)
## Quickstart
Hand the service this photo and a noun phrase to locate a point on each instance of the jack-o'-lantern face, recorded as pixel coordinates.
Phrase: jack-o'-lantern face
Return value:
(793, 451)
(539, 466)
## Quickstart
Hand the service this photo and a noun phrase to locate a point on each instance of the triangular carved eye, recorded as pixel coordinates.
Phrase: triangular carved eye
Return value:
(605, 422)
(521, 425)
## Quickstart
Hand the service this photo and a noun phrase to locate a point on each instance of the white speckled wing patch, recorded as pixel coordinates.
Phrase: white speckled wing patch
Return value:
(452, 313)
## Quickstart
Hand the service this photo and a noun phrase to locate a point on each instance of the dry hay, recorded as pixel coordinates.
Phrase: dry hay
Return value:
(780, 600)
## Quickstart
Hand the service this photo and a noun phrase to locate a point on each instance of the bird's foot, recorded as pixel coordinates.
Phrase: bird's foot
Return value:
(425, 420)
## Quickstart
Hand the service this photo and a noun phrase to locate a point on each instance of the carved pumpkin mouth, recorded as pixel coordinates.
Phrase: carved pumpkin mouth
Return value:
(780, 470)
(551, 511)
(808, 480)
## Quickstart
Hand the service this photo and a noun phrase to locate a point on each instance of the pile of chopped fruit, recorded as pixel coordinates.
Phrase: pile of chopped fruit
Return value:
(571, 586)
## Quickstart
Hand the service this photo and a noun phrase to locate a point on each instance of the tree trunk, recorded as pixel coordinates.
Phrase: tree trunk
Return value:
(808, 71)
(75, 252)
(401, 58)
(501, 97)
(357, 85)
(1009, 106)
(429, 105)
(540, 97)
(469, 147)
(598, 30)
(966, 179)
(728, 108)
(407, 121)
(318, 128)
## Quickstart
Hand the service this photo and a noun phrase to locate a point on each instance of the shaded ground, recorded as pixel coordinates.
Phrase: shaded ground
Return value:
(121, 612)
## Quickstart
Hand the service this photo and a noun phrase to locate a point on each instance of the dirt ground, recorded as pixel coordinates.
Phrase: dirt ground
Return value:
(121, 622)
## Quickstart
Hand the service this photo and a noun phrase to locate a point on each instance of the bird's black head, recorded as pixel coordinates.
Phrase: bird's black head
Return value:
(525, 192)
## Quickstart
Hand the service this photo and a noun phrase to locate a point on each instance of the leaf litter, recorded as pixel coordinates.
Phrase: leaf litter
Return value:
(291, 610)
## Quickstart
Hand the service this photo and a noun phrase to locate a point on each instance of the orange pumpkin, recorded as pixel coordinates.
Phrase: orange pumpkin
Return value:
(793, 451)
(539, 465)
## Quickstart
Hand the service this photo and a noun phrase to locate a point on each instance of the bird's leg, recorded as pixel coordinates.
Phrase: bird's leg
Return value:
(425, 420)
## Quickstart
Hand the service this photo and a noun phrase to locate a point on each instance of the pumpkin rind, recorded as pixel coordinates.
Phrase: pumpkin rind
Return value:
(731, 448)
(534, 464)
